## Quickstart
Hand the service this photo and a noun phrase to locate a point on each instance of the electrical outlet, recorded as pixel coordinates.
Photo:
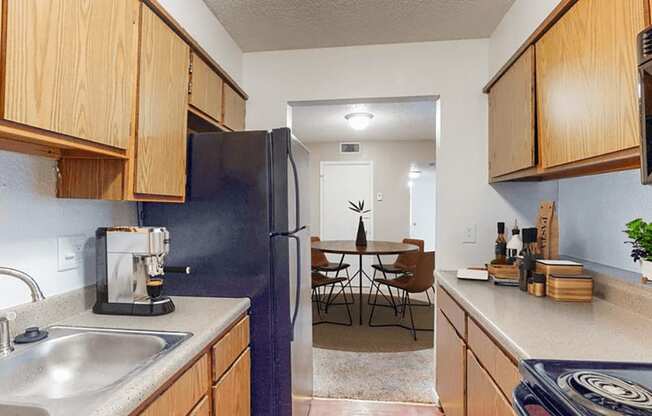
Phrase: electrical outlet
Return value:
(470, 234)
(70, 252)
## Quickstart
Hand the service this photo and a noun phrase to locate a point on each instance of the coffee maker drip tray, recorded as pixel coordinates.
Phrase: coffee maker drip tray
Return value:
(606, 394)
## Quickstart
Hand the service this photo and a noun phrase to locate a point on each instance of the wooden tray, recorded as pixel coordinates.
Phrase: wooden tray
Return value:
(503, 271)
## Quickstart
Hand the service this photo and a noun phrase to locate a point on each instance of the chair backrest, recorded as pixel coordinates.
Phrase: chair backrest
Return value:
(317, 257)
(423, 277)
(409, 260)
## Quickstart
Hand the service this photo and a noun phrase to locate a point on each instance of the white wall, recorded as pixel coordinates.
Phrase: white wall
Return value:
(515, 27)
(454, 70)
(31, 219)
(392, 160)
(204, 27)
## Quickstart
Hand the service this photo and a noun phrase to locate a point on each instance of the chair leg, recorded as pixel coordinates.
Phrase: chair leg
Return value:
(348, 310)
(373, 307)
(350, 285)
(328, 300)
(414, 331)
(314, 291)
(428, 296)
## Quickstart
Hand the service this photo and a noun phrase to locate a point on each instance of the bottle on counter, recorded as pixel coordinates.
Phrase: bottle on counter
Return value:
(528, 263)
(501, 245)
(539, 284)
(515, 244)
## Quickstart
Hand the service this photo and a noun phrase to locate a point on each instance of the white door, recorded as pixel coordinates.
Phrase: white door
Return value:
(342, 182)
(422, 208)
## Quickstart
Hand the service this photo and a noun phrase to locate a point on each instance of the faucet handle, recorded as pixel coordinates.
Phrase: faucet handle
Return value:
(8, 316)
(6, 343)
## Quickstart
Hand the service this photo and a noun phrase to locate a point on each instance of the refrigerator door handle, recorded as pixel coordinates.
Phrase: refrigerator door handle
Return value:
(297, 199)
(297, 299)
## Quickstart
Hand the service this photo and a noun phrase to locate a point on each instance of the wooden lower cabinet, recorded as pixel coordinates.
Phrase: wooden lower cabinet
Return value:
(203, 408)
(483, 397)
(192, 393)
(451, 368)
(232, 394)
(182, 396)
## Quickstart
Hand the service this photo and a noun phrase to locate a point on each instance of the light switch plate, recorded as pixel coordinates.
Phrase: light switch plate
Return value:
(470, 234)
(70, 251)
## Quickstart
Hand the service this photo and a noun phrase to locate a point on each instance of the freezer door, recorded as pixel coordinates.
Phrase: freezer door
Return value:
(300, 301)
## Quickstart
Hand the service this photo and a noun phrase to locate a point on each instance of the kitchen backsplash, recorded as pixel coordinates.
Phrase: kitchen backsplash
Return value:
(31, 220)
(594, 211)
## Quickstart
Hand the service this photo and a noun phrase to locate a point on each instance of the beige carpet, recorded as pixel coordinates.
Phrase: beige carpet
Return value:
(391, 377)
(364, 363)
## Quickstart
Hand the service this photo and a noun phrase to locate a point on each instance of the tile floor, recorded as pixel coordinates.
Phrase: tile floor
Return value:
(331, 407)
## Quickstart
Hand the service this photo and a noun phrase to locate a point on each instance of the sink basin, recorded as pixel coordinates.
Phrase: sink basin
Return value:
(76, 366)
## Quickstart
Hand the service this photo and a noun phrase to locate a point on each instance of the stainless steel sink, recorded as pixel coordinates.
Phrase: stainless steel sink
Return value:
(76, 367)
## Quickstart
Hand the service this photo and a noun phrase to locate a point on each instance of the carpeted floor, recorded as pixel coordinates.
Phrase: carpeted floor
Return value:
(366, 363)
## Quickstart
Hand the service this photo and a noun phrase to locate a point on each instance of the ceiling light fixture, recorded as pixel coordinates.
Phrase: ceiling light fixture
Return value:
(359, 121)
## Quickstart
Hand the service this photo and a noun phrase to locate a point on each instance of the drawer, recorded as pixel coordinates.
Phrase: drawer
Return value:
(232, 394)
(499, 366)
(203, 408)
(452, 310)
(229, 347)
(180, 398)
(482, 395)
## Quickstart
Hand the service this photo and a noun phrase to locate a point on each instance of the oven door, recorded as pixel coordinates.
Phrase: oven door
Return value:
(526, 403)
(645, 109)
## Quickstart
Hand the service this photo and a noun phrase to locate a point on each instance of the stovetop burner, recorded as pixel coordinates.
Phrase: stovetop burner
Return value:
(605, 394)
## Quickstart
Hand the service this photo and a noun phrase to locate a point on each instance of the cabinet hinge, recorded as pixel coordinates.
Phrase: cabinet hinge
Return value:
(190, 67)
(189, 87)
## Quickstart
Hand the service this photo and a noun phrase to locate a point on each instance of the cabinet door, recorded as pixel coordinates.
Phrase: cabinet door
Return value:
(451, 368)
(234, 109)
(180, 398)
(483, 397)
(512, 145)
(71, 67)
(162, 109)
(232, 394)
(586, 81)
(206, 89)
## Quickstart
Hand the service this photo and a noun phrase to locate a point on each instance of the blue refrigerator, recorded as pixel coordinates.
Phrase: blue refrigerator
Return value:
(244, 231)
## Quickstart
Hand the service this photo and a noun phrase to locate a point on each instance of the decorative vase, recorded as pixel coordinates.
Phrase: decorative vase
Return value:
(646, 270)
(361, 238)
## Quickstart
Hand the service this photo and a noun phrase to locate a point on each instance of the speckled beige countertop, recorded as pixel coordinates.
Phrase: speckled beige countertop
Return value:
(205, 318)
(531, 327)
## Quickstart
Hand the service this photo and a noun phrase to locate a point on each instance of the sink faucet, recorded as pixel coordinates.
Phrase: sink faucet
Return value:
(6, 344)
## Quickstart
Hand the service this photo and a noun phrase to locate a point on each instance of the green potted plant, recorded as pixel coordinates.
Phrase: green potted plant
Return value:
(640, 238)
(361, 237)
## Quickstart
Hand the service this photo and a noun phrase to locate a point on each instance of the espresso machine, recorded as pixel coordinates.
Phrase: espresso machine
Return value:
(130, 270)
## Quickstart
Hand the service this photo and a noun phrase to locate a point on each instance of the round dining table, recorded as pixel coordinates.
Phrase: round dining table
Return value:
(373, 248)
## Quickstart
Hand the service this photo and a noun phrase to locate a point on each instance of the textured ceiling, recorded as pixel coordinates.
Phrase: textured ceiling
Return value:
(261, 25)
(394, 119)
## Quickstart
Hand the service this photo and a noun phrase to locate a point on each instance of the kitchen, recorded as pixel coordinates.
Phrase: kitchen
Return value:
(47, 155)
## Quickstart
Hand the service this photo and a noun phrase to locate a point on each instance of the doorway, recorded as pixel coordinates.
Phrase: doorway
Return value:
(422, 206)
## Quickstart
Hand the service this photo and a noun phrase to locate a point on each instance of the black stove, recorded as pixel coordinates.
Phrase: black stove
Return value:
(584, 388)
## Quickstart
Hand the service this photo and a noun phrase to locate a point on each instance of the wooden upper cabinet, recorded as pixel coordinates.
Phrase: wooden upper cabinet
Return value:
(234, 109)
(206, 89)
(160, 159)
(451, 368)
(71, 67)
(586, 81)
(512, 133)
